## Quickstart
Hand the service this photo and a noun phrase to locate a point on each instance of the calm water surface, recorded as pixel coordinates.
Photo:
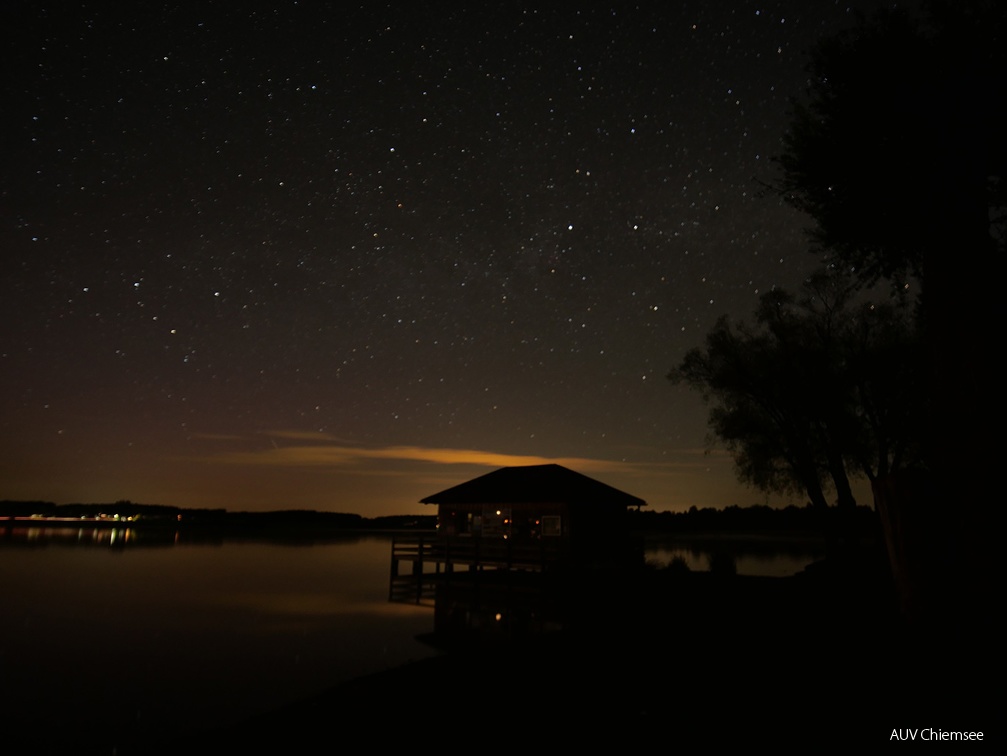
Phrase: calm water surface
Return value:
(176, 638)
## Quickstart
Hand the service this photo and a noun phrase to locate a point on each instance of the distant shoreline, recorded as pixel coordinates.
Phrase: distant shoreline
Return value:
(128, 514)
(752, 521)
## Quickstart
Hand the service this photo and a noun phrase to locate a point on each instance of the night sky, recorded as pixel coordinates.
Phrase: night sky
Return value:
(306, 255)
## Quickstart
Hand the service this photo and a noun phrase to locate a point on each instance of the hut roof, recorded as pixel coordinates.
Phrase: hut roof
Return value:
(533, 483)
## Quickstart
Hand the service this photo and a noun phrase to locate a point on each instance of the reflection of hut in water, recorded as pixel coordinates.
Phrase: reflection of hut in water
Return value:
(484, 612)
(529, 518)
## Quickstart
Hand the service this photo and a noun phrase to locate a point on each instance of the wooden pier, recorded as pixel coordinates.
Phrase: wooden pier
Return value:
(437, 554)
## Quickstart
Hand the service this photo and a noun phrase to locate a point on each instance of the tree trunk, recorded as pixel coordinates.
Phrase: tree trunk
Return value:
(963, 308)
(915, 531)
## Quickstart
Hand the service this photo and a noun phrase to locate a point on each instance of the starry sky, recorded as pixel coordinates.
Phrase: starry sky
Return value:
(339, 257)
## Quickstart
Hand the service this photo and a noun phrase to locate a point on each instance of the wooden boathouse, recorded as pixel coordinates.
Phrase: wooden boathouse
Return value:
(524, 518)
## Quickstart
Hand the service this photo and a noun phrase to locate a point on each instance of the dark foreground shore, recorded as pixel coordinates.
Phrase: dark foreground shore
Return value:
(665, 660)
(819, 660)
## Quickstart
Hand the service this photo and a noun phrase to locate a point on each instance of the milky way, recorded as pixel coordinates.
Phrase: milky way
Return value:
(271, 256)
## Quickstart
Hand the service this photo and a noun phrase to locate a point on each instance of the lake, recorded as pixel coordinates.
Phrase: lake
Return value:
(178, 637)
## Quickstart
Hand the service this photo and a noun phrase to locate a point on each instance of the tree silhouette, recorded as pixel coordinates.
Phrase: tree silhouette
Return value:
(755, 410)
(898, 151)
(821, 388)
(898, 154)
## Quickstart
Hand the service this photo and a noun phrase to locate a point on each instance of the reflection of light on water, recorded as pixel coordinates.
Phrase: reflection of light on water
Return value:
(84, 536)
(329, 603)
(779, 560)
(664, 556)
(772, 566)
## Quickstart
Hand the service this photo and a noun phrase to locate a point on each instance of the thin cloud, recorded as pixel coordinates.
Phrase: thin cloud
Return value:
(288, 435)
(333, 455)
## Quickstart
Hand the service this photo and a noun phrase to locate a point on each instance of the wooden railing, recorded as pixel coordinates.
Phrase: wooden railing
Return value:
(446, 553)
